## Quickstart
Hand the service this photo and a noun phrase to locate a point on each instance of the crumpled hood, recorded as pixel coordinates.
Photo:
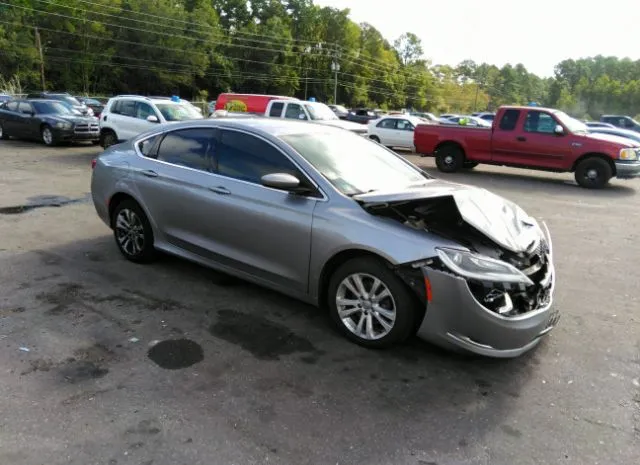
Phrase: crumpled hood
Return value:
(339, 123)
(498, 218)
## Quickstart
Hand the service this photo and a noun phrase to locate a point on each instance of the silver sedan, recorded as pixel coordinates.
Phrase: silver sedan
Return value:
(336, 220)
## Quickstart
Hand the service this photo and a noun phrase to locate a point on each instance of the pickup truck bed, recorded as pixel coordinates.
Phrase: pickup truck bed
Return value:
(533, 138)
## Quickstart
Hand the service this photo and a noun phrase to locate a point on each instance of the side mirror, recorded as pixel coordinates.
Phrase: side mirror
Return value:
(152, 119)
(558, 130)
(284, 181)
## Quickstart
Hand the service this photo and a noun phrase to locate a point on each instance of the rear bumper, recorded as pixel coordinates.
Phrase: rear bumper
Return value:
(627, 169)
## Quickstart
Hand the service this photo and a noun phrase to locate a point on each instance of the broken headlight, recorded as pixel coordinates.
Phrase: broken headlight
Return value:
(481, 268)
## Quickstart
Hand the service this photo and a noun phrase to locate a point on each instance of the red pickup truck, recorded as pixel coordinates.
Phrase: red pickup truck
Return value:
(532, 138)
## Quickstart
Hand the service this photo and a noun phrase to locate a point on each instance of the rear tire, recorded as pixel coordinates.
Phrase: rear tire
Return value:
(593, 173)
(449, 159)
(132, 232)
(375, 139)
(392, 314)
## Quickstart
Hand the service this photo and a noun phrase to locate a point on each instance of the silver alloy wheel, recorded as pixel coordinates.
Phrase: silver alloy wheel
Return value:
(47, 136)
(366, 306)
(129, 232)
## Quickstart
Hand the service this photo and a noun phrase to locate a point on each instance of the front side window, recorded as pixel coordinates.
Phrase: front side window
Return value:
(539, 122)
(387, 124)
(294, 111)
(12, 106)
(404, 125)
(190, 148)
(144, 110)
(340, 156)
(248, 158)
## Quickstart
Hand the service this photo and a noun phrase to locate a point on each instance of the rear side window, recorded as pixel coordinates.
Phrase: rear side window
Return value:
(146, 146)
(245, 157)
(12, 106)
(276, 109)
(124, 108)
(509, 120)
(190, 148)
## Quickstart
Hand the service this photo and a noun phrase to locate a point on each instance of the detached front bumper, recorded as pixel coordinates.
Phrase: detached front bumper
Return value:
(455, 318)
(627, 169)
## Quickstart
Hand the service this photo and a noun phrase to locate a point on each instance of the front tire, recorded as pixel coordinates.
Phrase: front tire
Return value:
(47, 135)
(449, 159)
(375, 139)
(3, 134)
(108, 138)
(132, 232)
(593, 173)
(370, 305)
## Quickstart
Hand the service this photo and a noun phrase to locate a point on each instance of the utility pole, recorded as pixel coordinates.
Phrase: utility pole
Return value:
(39, 47)
(335, 66)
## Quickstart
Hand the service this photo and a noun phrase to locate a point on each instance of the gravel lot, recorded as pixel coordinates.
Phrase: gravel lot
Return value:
(266, 379)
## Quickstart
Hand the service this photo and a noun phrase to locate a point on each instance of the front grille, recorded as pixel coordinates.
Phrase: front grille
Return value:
(85, 128)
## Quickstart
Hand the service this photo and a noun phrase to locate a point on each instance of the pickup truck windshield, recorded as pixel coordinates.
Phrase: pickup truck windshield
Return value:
(353, 164)
(320, 112)
(570, 123)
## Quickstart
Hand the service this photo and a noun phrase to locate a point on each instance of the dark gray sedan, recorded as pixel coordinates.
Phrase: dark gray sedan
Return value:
(334, 219)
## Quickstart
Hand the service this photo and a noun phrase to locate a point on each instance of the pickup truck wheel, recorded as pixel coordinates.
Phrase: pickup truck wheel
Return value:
(449, 159)
(469, 165)
(593, 173)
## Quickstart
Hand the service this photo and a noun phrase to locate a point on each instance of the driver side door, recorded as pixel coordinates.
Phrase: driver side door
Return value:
(260, 231)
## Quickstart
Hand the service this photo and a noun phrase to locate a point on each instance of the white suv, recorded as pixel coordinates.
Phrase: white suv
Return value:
(126, 116)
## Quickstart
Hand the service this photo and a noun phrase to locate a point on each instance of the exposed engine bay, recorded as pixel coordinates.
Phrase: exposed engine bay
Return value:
(441, 216)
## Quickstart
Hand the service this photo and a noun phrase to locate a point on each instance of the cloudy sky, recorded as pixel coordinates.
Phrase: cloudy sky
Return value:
(537, 33)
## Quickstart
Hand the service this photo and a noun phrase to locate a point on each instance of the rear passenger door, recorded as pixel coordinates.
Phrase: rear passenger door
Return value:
(23, 121)
(173, 176)
(122, 117)
(9, 118)
(260, 231)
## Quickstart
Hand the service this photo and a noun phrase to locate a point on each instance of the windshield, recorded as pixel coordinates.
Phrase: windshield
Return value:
(178, 112)
(50, 108)
(320, 112)
(572, 124)
(354, 164)
(71, 100)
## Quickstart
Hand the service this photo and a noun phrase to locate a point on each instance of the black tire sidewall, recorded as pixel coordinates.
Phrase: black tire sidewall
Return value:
(375, 139)
(407, 305)
(458, 159)
(53, 138)
(600, 165)
(469, 165)
(148, 251)
(105, 136)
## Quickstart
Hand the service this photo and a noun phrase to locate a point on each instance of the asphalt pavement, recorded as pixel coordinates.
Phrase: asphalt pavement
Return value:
(90, 372)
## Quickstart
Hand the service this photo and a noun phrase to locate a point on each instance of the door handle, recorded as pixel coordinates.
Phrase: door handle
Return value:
(220, 190)
(521, 138)
(150, 173)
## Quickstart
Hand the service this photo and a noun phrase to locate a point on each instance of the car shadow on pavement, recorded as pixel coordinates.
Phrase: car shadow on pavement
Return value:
(537, 182)
(81, 156)
(271, 366)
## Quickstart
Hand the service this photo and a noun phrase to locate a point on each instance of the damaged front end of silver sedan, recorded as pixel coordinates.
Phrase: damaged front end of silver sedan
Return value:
(491, 293)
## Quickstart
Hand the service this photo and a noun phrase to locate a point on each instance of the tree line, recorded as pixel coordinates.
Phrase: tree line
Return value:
(199, 48)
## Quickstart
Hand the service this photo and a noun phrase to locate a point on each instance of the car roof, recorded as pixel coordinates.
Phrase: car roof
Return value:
(267, 126)
(143, 98)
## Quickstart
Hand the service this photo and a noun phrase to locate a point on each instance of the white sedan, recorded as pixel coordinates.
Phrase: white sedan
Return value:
(394, 130)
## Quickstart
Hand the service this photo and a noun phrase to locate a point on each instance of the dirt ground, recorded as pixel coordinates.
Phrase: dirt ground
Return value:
(88, 373)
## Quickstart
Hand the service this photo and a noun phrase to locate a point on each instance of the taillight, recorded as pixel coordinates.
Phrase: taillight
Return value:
(93, 163)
